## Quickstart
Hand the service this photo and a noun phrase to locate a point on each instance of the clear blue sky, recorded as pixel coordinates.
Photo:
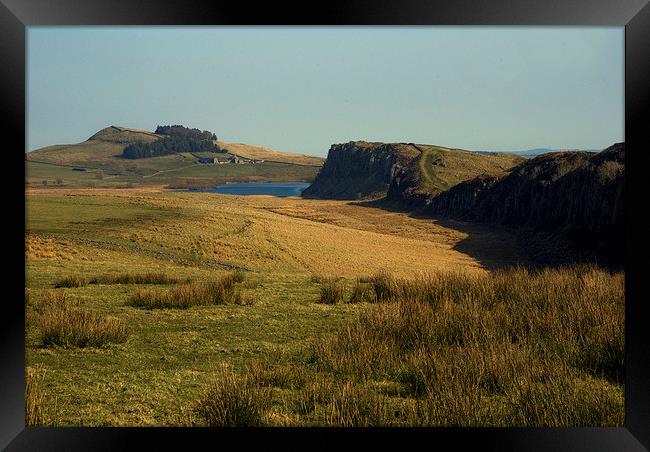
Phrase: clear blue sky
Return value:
(302, 89)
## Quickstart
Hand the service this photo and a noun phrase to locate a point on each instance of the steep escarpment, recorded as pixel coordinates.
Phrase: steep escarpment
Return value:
(405, 173)
(358, 170)
(565, 206)
(573, 196)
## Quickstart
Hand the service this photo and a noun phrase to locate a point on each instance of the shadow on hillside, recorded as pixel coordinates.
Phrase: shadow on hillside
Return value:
(495, 246)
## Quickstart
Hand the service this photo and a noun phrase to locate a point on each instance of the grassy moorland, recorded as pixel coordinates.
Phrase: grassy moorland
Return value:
(177, 308)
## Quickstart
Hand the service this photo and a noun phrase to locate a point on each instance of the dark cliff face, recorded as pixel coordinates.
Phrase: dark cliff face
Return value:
(577, 196)
(355, 170)
(568, 206)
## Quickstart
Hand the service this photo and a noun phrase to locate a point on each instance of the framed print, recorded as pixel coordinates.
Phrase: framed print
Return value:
(375, 220)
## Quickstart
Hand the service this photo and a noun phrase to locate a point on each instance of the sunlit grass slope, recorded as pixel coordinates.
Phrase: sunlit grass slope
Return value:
(122, 257)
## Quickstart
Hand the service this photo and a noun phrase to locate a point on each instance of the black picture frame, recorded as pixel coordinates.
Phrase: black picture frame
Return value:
(16, 15)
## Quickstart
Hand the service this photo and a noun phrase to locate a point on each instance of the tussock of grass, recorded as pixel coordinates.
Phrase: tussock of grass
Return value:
(34, 397)
(62, 322)
(355, 406)
(136, 278)
(234, 401)
(316, 391)
(283, 376)
(332, 291)
(511, 348)
(385, 286)
(70, 281)
(215, 292)
(363, 292)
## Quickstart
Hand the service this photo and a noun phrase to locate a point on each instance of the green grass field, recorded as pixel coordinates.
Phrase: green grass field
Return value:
(283, 356)
(177, 171)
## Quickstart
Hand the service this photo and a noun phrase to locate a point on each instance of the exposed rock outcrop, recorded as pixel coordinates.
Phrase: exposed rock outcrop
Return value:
(406, 173)
(568, 206)
(575, 196)
(357, 170)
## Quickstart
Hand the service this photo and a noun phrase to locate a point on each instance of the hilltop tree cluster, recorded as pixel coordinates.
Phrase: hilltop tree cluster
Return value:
(167, 146)
(176, 139)
(179, 130)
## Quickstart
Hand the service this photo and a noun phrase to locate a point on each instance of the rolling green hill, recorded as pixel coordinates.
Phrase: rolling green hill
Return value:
(98, 162)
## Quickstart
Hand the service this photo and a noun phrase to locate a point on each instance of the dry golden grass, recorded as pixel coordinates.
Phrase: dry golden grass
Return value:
(34, 397)
(70, 281)
(64, 323)
(136, 278)
(332, 291)
(513, 348)
(234, 401)
(363, 291)
(214, 292)
(503, 340)
(267, 234)
(42, 248)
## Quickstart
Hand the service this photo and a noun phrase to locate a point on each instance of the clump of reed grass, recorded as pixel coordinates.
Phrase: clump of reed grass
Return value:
(285, 376)
(517, 347)
(506, 348)
(317, 390)
(385, 286)
(577, 402)
(356, 406)
(136, 278)
(332, 291)
(363, 292)
(237, 276)
(63, 322)
(234, 401)
(214, 292)
(70, 281)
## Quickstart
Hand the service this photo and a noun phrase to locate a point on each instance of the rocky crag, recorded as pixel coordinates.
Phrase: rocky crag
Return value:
(567, 205)
(568, 196)
(399, 171)
(358, 170)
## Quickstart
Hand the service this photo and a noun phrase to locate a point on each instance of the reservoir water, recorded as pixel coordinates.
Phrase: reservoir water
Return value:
(259, 188)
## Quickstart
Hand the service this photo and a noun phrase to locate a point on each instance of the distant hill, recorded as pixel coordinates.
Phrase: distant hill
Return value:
(360, 170)
(98, 161)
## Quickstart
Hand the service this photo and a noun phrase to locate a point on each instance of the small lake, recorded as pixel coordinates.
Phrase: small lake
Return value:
(259, 188)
